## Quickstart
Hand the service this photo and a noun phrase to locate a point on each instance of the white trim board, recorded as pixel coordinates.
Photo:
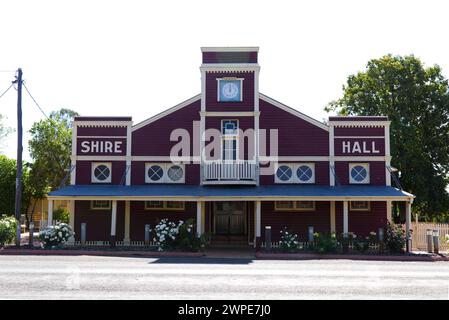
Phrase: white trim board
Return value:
(355, 123)
(99, 123)
(230, 67)
(293, 112)
(229, 49)
(230, 113)
(166, 112)
(262, 158)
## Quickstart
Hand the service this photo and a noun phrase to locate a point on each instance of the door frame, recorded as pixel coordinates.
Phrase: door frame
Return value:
(245, 217)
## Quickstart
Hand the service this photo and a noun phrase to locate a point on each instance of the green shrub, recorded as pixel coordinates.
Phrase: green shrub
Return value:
(324, 242)
(187, 239)
(8, 229)
(395, 238)
(289, 240)
(61, 215)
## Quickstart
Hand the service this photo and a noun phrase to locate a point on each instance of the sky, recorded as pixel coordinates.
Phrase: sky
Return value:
(138, 58)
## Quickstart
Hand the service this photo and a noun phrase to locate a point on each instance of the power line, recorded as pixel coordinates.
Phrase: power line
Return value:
(6, 90)
(34, 100)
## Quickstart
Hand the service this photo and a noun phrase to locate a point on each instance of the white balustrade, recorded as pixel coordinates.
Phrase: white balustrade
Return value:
(226, 170)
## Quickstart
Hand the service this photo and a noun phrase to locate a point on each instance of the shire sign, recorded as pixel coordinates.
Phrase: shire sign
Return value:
(102, 147)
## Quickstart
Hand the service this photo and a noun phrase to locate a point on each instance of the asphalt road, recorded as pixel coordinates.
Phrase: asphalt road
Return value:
(85, 277)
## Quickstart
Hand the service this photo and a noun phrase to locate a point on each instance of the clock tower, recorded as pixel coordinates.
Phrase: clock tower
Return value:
(230, 95)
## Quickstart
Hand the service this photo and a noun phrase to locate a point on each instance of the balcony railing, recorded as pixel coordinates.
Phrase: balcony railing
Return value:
(229, 171)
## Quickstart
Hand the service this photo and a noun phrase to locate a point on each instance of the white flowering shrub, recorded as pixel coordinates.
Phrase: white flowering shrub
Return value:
(289, 240)
(169, 235)
(8, 227)
(447, 238)
(54, 236)
(165, 233)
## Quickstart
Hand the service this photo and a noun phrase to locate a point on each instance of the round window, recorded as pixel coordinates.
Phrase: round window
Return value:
(358, 173)
(155, 173)
(175, 173)
(284, 173)
(304, 173)
(102, 172)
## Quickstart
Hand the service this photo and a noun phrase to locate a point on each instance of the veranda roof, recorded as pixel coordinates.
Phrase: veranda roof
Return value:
(233, 192)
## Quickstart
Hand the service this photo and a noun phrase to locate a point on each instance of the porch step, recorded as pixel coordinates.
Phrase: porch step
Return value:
(229, 241)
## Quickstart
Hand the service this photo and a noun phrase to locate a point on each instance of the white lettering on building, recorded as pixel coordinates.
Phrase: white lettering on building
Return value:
(359, 147)
(101, 146)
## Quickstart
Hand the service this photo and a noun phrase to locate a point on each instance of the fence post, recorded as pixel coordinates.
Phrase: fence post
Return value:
(268, 238)
(429, 240)
(310, 234)
(83, 233)
(436, 240)
(147, 234)
(380, 234)
(31, 234)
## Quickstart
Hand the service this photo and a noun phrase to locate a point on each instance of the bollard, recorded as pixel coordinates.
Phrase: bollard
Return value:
(147, 234)
(429, 240)
(31, 234)
(83, 233)
(436, 241)
(310, 234)
(268, 238)
(381, 234)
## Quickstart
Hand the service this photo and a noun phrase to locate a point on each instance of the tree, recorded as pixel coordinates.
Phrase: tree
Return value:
(416, 100)
(50, 147)
(7, 185)
(4, 130)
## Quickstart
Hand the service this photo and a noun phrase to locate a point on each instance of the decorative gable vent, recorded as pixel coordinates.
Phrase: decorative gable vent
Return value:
(359, 173)
(164, 173)
(295, 173)
(101, 172)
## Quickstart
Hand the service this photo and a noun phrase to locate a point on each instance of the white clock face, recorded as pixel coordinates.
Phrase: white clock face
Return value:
(230, 90)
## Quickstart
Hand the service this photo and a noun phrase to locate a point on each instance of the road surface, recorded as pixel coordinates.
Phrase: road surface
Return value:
(87, 277)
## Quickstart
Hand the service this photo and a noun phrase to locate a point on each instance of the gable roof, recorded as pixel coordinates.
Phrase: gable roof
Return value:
(293, 112)
(261, 96)
(166, 112)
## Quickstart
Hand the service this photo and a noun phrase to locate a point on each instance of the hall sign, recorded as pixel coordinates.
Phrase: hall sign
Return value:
(101, 146)
(360, 146)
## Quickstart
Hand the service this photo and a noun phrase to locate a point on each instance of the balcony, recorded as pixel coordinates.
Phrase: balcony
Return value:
(229, 172)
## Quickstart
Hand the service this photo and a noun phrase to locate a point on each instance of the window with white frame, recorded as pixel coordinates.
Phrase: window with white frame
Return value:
(294, 205)
(359, 205)
(164, 173)
(164, 205)
(229, 142)
(359, 173)
(100, 205)
(101, 172)
(295, 173)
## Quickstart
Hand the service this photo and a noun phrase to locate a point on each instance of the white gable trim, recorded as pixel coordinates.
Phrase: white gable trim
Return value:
(229, 49)
(294, 112)
(166, 112)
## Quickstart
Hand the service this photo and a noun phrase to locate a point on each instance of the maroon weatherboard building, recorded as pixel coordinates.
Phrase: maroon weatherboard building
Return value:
(233, 159)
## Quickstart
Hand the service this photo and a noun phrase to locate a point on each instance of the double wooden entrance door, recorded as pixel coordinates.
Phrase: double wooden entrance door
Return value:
(230, 218)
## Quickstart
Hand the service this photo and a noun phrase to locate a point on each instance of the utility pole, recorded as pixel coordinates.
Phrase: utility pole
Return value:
(19, 154)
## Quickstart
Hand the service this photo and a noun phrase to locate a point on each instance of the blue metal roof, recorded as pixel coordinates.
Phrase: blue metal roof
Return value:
(173, 190)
